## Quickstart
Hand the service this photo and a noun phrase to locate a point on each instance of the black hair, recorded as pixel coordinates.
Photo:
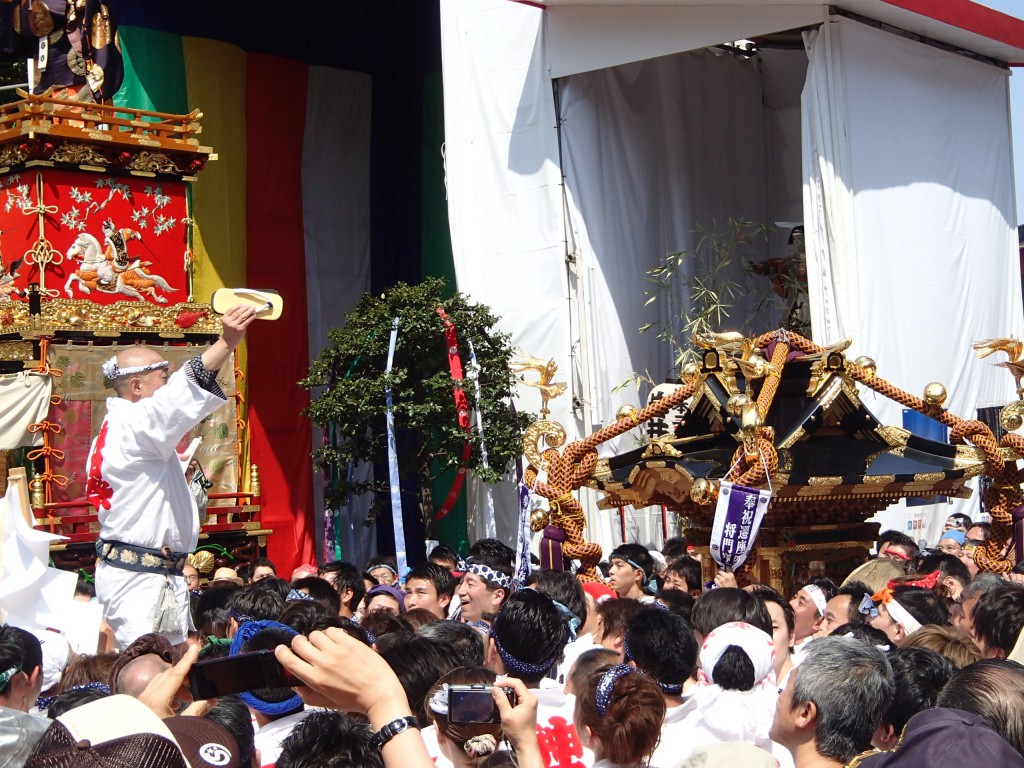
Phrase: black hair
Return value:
(769, 595)
(256, 602)
(530, 629)
(418, 663)
(855, 590)
(445, 553)
(865, 633)
(638, 555)
(274, 584)
(65, 702)
(616, 614)
(999, 616)
(495, 549)
(381, 623)
(464, 644)
(85, 587)
(563, 587)
(346, 576)
(689, 570)
(923, 604)
(662, 645)
(986, 527)
(720, 606)
(734, 670)
(320, 590)
(231, 714)
(214, 621)
(303, 615)
(899, 539)
(589, 662)
(442, 579)
(674, 548)
(330, 740)
(828, 587)
(379, 561)
(678, 602)
(919, 675)
(262, 561)
(31, 650)
(948, 566)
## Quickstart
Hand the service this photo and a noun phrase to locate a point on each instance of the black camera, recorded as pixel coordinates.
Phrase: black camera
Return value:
(475, 704)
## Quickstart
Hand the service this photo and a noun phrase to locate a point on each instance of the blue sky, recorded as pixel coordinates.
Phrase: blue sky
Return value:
(1015, 8)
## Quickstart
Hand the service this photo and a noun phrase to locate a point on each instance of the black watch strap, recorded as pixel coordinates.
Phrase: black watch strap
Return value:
(392, 729)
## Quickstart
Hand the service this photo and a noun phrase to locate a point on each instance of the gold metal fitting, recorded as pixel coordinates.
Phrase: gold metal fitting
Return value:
(735, 404)
(935, 394)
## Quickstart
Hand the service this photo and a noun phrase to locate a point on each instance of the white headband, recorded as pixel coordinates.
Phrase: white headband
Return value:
(756, 643)
(112, 371)
(817, 596)
(902, 616)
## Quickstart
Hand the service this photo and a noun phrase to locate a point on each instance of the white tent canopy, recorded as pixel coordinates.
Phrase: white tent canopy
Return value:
(584, 142)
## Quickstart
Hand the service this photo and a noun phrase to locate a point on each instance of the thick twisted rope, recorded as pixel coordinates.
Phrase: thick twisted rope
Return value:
(568, 471)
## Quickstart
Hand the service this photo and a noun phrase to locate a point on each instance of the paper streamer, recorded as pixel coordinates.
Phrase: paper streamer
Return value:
(474, 373)
(396, 487)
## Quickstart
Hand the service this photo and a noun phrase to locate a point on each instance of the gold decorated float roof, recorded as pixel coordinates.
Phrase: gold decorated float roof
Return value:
(46, 130)
(837, 462)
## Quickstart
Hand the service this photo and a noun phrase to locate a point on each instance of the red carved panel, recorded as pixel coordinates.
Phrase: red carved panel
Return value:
(105, 238)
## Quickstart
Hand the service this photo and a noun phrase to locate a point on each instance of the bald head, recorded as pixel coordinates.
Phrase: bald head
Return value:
(138, 386)
(138, 673)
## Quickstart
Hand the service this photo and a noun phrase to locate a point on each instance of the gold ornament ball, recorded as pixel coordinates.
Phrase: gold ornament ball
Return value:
(702, 491)
(625, 411)
(689, 372)
(735, 404)
(538, 520)
(867, 363)
(935, 394)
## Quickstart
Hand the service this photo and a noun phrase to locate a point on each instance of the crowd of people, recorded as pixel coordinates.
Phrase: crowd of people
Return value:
(910, 658)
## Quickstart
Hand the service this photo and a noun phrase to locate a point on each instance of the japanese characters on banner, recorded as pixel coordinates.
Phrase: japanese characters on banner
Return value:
(105, 239)
(738, 518)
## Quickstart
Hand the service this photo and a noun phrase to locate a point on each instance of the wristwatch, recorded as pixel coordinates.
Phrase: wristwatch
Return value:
(392, 729)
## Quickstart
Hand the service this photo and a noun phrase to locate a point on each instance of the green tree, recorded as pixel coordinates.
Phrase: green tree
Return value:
(348, 379)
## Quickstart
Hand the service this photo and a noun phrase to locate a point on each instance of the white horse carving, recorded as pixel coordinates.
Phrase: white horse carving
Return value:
(96, 273)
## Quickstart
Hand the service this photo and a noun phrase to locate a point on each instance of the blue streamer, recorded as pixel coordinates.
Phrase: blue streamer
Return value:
(396, 487)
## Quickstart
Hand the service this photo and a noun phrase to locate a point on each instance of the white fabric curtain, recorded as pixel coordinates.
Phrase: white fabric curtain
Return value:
(336, 219)
(504, 196)
(909, 207)
(24, 400)
(654, 151)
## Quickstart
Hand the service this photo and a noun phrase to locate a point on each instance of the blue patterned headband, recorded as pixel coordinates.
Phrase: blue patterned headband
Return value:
(607, 683)
(45, 702)
(667, 688)
(246, 632)
(241, 618)
(489, 574)
(382, 565)
(572, 619)
(511, 662)
(867, 607)
(294, 594)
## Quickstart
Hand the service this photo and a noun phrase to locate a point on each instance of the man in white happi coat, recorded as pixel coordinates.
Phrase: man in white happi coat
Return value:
(148, 518)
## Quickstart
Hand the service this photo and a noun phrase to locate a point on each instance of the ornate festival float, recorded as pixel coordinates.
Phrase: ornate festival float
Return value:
(772, 432)
(95, 255)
